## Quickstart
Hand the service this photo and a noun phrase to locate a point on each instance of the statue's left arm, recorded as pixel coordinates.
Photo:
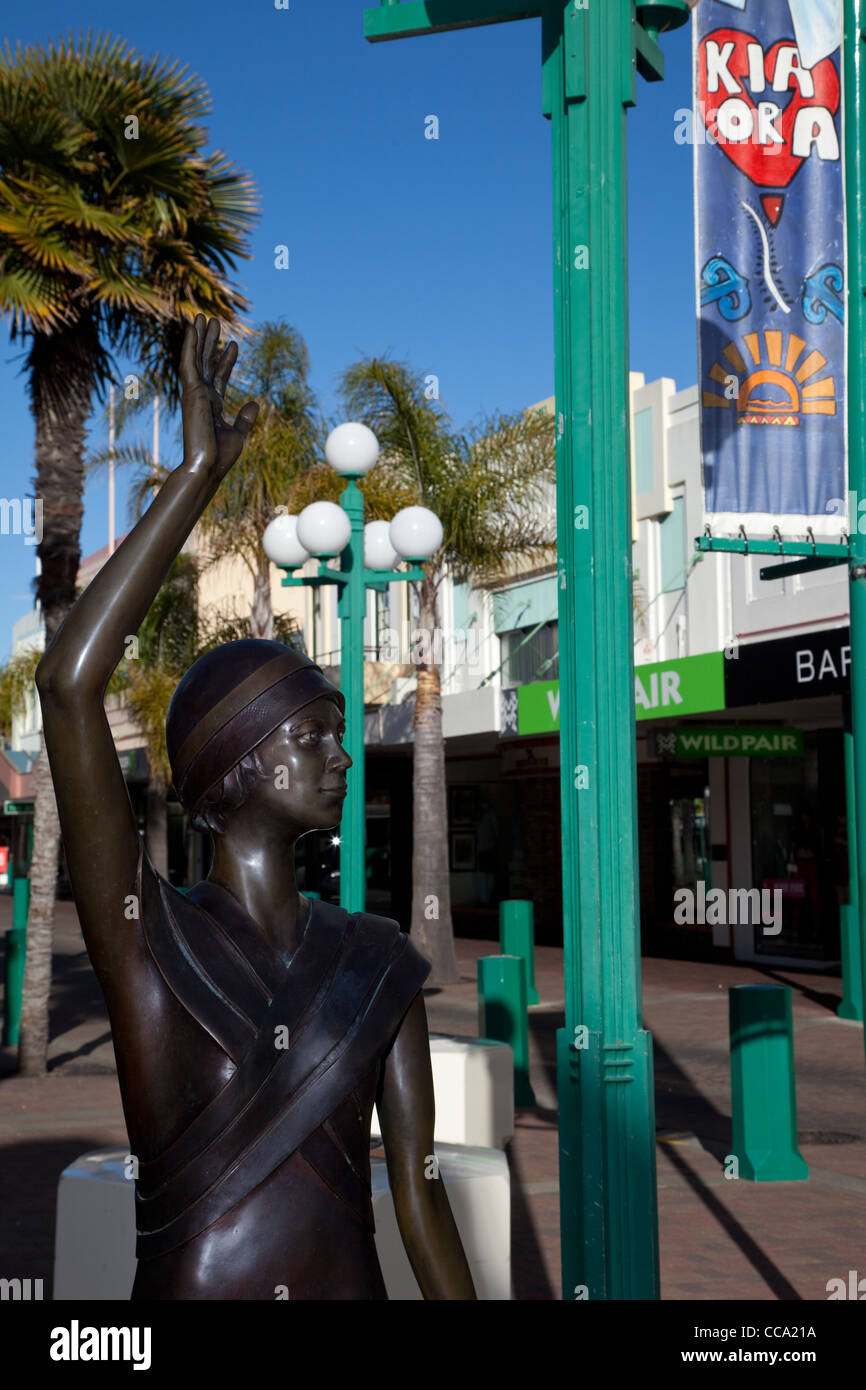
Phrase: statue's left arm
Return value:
(406, 1113)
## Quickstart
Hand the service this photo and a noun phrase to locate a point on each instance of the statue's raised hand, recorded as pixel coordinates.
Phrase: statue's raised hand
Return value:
(210, 444)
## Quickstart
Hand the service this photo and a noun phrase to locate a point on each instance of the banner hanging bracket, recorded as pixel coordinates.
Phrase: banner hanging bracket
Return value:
(810, 554)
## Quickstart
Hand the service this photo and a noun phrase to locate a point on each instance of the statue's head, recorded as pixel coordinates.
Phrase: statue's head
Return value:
(256, 721)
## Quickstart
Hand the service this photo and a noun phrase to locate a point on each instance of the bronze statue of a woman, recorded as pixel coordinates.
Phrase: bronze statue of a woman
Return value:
(253, 1028)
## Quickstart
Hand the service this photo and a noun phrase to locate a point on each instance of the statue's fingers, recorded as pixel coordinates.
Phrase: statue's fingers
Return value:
(199, 326)
(223, 368)
(187, 355)
(211, 339)
(246, 417)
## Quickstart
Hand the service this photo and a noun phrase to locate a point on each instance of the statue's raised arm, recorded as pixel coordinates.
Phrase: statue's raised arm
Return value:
(96, 817)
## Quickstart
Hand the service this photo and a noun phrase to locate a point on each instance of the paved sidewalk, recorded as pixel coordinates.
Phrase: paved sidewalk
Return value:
(720, 1239)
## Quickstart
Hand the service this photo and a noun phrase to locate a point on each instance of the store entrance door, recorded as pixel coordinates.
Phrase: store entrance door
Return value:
(674, 854)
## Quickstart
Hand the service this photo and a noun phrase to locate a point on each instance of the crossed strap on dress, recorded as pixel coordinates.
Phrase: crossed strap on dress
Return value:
(341, 1000)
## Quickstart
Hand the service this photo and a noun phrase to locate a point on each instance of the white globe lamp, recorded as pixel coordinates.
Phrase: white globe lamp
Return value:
(416, 533)
(379, 553)
(281, 544)
(324, 529)
(351, 449)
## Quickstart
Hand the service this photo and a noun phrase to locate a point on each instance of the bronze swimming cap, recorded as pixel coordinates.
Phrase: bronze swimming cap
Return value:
(231, 699)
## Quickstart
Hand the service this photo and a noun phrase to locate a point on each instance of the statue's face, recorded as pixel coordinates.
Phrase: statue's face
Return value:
(307, 766)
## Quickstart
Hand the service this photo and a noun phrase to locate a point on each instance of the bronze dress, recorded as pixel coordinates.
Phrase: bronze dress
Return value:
(264, 1190)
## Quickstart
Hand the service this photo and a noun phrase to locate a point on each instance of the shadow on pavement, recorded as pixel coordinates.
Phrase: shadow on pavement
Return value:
(761, 1263)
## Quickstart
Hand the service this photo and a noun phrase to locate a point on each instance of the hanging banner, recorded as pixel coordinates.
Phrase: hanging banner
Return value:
(767, 129)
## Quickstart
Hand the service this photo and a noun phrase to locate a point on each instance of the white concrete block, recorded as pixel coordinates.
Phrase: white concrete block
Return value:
(94, 1246)
(473, 1089)
(94, 1253)
(479, 1191)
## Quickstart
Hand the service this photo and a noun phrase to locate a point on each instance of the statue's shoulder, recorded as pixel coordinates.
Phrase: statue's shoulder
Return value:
(384, 936)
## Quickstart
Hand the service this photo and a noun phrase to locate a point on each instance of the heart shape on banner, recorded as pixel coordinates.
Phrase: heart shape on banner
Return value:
(772, 165)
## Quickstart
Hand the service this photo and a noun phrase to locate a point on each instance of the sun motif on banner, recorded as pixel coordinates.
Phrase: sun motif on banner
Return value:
(771, 382)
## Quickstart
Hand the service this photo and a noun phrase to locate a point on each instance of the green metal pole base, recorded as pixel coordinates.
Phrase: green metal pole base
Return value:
(851, 1003)
(517, 938)
(612, 1248)
(763, 1097)
(16, 955)
(502, 1015)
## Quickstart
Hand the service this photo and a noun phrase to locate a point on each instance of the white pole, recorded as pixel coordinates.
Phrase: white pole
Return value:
(111, 470)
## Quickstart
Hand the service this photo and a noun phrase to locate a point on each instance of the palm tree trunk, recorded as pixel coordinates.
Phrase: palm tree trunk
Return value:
(33, 1041)
(431, 887)
(262, 614)
(157, 827)
(61, 392)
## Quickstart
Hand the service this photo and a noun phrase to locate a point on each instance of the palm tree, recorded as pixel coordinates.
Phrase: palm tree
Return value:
(115, 227)
(490, 487)
(274, 467)
(17, 685)
(279, 467)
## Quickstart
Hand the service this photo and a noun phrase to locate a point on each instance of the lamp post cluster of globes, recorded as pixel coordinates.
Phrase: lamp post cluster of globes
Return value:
(324, 529)
(369, 557)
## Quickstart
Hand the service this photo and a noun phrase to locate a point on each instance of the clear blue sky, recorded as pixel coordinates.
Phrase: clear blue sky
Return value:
(439, 252)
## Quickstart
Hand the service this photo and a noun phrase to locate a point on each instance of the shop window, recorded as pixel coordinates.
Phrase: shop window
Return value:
(530, 654)
(799, 846)
(672, 541)
(644, 463)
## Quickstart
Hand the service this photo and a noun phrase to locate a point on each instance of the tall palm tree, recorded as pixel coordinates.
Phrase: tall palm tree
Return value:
(115, 227)
(490, 487)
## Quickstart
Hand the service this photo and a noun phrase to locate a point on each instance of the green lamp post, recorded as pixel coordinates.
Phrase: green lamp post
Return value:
(368, 555)
(591, 52)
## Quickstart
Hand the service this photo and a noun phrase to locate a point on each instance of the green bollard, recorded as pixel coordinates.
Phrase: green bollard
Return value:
(502, 1015)
(16, 955)
(517, 938)
(763, 1095)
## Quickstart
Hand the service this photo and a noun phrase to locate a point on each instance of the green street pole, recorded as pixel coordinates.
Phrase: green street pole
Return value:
(854, 112)
(591, 52)
(351, 606)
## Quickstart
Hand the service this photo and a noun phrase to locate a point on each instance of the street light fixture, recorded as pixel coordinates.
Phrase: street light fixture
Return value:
(368, 559)
(416, 533)
(281, 544)
(379, 553)
(351, 449)
(324, 529)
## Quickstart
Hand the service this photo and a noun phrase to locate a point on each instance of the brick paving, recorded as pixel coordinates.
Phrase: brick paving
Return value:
(719, 1239)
